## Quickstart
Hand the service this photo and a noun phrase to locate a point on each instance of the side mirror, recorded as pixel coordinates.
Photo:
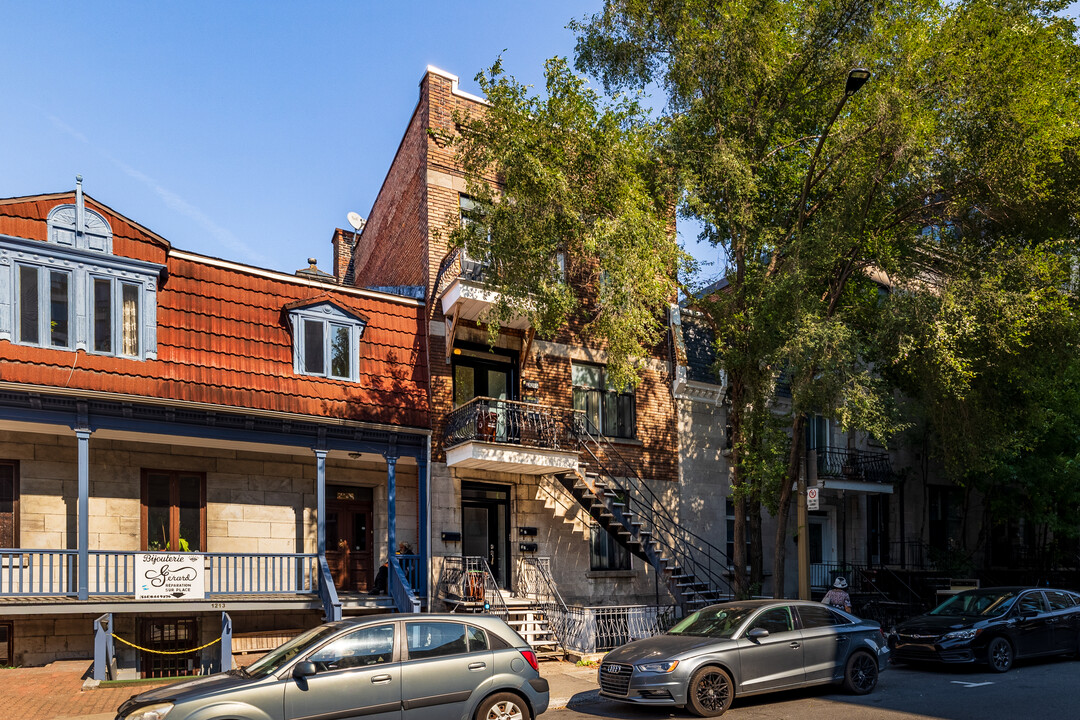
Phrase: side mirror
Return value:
(304, 669)
(757, 633)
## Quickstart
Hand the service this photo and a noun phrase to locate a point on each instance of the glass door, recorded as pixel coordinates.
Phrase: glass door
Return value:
(485, 523)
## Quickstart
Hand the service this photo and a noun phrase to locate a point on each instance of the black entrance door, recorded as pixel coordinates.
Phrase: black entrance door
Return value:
(485, 527)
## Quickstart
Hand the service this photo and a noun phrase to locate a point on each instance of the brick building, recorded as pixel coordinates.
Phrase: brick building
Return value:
(267, 431)
(511, 478)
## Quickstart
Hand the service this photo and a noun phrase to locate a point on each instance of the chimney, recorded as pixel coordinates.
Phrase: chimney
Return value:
(343, 242)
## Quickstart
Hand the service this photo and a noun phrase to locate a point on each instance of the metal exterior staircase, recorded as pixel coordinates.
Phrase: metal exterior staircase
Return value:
(694, 570)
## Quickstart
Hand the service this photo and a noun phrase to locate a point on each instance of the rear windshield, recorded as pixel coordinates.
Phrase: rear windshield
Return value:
(717, 621)
(977, 603)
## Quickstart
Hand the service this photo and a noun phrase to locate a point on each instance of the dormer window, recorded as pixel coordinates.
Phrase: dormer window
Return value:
(326, 341)
(72, 293)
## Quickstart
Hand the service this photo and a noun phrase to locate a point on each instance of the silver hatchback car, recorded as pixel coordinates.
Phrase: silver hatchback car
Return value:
(744, 648)
(386, 667)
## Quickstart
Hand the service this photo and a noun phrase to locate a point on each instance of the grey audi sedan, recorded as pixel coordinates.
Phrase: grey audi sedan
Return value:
(745, 648)
(385, 667)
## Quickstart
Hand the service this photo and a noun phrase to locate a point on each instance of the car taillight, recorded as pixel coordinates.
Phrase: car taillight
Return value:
(530, 657)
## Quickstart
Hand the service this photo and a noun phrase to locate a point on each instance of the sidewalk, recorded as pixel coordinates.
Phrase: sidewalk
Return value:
(54, 692)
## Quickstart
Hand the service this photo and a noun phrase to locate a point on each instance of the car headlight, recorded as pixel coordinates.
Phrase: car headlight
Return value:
(658, 667)
(157, 711)
(960, 635)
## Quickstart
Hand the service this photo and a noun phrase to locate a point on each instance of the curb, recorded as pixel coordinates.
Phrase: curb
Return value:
(582, 698)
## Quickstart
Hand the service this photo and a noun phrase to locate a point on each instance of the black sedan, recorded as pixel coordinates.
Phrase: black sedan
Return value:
(993, 626)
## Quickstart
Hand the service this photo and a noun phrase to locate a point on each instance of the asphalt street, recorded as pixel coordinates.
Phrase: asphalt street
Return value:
(1042, 690)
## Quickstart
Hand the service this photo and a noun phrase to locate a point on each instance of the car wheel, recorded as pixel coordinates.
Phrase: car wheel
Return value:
(709, 692)
(999, 654)
(861, 674)
(503, 706)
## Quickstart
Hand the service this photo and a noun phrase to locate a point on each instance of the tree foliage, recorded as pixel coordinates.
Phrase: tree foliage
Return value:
(961, 147)
(567, 173)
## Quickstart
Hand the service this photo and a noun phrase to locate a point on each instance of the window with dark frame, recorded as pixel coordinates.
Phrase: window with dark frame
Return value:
(729, 548)
(605, 553)
(609, 411)
(7, 652)
(9, 503)
(173, 511)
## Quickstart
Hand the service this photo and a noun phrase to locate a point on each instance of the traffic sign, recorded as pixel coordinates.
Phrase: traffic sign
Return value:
(812, 500)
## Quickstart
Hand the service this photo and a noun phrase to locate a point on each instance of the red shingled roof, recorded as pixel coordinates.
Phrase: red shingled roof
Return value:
(223, 337)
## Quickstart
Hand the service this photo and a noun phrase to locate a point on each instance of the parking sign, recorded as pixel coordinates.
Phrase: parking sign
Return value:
(812, 498)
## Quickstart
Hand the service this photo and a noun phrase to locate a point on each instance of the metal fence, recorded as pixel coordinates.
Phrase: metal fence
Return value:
(598, 629)
(511, 422)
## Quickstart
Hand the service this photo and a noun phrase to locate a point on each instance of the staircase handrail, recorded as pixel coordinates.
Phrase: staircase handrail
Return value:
(327, 592)
(679, 540)
(541, 587)
(405, 599)
(477, 563)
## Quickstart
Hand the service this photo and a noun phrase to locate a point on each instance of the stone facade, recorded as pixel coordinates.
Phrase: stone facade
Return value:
(255, 502)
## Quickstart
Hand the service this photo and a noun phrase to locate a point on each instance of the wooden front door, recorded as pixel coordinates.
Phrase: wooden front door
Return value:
(349, 537)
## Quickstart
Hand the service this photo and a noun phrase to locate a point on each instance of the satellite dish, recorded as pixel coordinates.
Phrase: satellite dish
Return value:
(356, 221)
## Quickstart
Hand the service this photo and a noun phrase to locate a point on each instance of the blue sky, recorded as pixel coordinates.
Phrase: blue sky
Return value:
(243, 130)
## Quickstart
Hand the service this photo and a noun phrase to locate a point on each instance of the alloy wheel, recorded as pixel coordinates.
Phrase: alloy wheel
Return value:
(504, 710)
(863, 673)
(1000, 654)
(713, 692)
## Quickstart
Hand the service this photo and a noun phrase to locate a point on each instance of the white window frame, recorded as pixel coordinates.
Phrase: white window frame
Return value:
(330, 317)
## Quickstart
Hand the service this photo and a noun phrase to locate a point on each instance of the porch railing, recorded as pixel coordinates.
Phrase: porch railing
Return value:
(55, 572)
(856, 465)
(414, 572)
(511, 422)
(38, 572)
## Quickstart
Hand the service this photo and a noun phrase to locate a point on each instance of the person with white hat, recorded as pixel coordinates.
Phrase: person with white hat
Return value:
(838, 597)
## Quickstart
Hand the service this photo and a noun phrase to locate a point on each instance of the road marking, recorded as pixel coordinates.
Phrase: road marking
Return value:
(969, 684)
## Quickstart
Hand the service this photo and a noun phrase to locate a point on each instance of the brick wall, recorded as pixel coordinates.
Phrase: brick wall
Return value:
(393, 248)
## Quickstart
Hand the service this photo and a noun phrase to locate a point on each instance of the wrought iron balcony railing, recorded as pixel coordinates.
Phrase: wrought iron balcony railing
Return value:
(458, 264)
(856, 465)
(513, 423)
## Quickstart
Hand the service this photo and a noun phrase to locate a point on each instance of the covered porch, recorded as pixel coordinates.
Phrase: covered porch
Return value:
(276, 514)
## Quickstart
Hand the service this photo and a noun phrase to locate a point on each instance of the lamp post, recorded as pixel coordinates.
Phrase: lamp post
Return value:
(856, 78)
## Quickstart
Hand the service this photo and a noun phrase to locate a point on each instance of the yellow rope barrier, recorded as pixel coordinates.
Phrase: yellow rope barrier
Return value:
(166, 652)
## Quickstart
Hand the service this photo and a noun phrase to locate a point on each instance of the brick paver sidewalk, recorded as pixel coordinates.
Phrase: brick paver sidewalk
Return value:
(44, 693)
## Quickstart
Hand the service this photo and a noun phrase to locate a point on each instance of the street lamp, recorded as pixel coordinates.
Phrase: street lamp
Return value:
(856, 78)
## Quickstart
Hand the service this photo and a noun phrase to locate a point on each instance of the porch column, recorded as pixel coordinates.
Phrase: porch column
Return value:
(391, 506)
(422, 481)
(83, 440)
(320, 501)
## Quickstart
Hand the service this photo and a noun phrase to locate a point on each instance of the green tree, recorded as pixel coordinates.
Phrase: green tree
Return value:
(962, 141)
(566, 173)
(990, 358)
(815, 197)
